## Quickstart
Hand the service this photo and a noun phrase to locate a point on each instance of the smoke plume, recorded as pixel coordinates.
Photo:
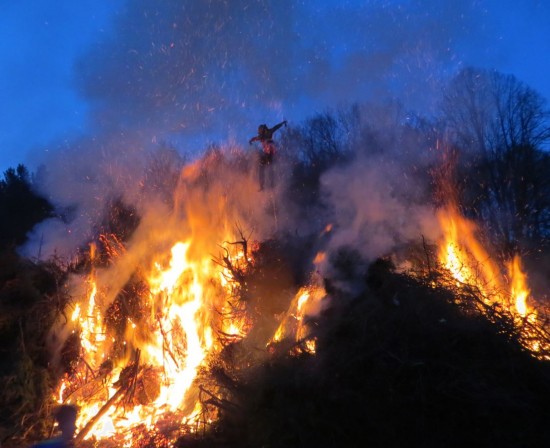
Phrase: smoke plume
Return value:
(191, 74)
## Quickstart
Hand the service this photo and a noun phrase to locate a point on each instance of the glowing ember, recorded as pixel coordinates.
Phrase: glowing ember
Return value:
(320, 258)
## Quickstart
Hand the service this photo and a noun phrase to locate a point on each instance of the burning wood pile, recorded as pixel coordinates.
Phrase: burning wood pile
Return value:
(478, 281)
(165, 358)
(186, 332)
(137, 370)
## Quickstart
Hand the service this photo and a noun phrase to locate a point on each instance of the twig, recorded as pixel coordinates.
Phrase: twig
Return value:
(88, 366)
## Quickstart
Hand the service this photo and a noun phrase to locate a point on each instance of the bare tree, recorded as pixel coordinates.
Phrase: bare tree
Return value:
(521, 118)
(467, 109)
(502, 127)
(489, 111)
(321, 139)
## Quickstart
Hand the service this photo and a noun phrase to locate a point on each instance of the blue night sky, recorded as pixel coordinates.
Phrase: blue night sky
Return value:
(40, 44)
(193, 71)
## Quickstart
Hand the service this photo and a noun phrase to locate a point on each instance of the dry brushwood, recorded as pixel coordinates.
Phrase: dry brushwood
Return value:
(243, 242)
(237, 272)
(126, 386)
(220, 403)
(532, 330)
(238, 268)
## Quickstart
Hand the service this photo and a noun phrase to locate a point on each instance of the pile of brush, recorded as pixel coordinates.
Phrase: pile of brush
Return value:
(402, 363)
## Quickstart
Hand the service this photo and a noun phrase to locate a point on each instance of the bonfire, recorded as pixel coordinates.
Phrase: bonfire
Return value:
(148, 318)
(161, 326)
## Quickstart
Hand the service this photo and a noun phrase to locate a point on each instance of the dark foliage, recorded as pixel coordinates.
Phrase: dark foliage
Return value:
(280, 263)
(322, 142)
(267, 286)
(128, 306)
(20, 207)
(31, 298)
(510, 192)
(120, 219)
(400, 365)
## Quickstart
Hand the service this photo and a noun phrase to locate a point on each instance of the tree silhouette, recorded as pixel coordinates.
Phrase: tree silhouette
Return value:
(502, 128)
(492, 112)
(20, 207)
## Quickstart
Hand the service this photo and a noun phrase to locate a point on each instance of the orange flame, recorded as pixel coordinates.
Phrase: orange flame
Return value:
(178, 338)
(130, 378)
(464, 256)
(470, 264)
(307, 301)
(519, 289)
(149, 320)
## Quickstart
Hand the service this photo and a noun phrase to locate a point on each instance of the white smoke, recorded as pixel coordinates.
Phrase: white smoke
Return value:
(374, 207)
(192, 73)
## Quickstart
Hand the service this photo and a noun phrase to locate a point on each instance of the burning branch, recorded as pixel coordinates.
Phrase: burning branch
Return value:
(84, 432)
(112, 245)
(165, 345)
(235, 264)
(243, 242)
(475, 297)
(127, 381)
(131, 377)
(237, 274)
